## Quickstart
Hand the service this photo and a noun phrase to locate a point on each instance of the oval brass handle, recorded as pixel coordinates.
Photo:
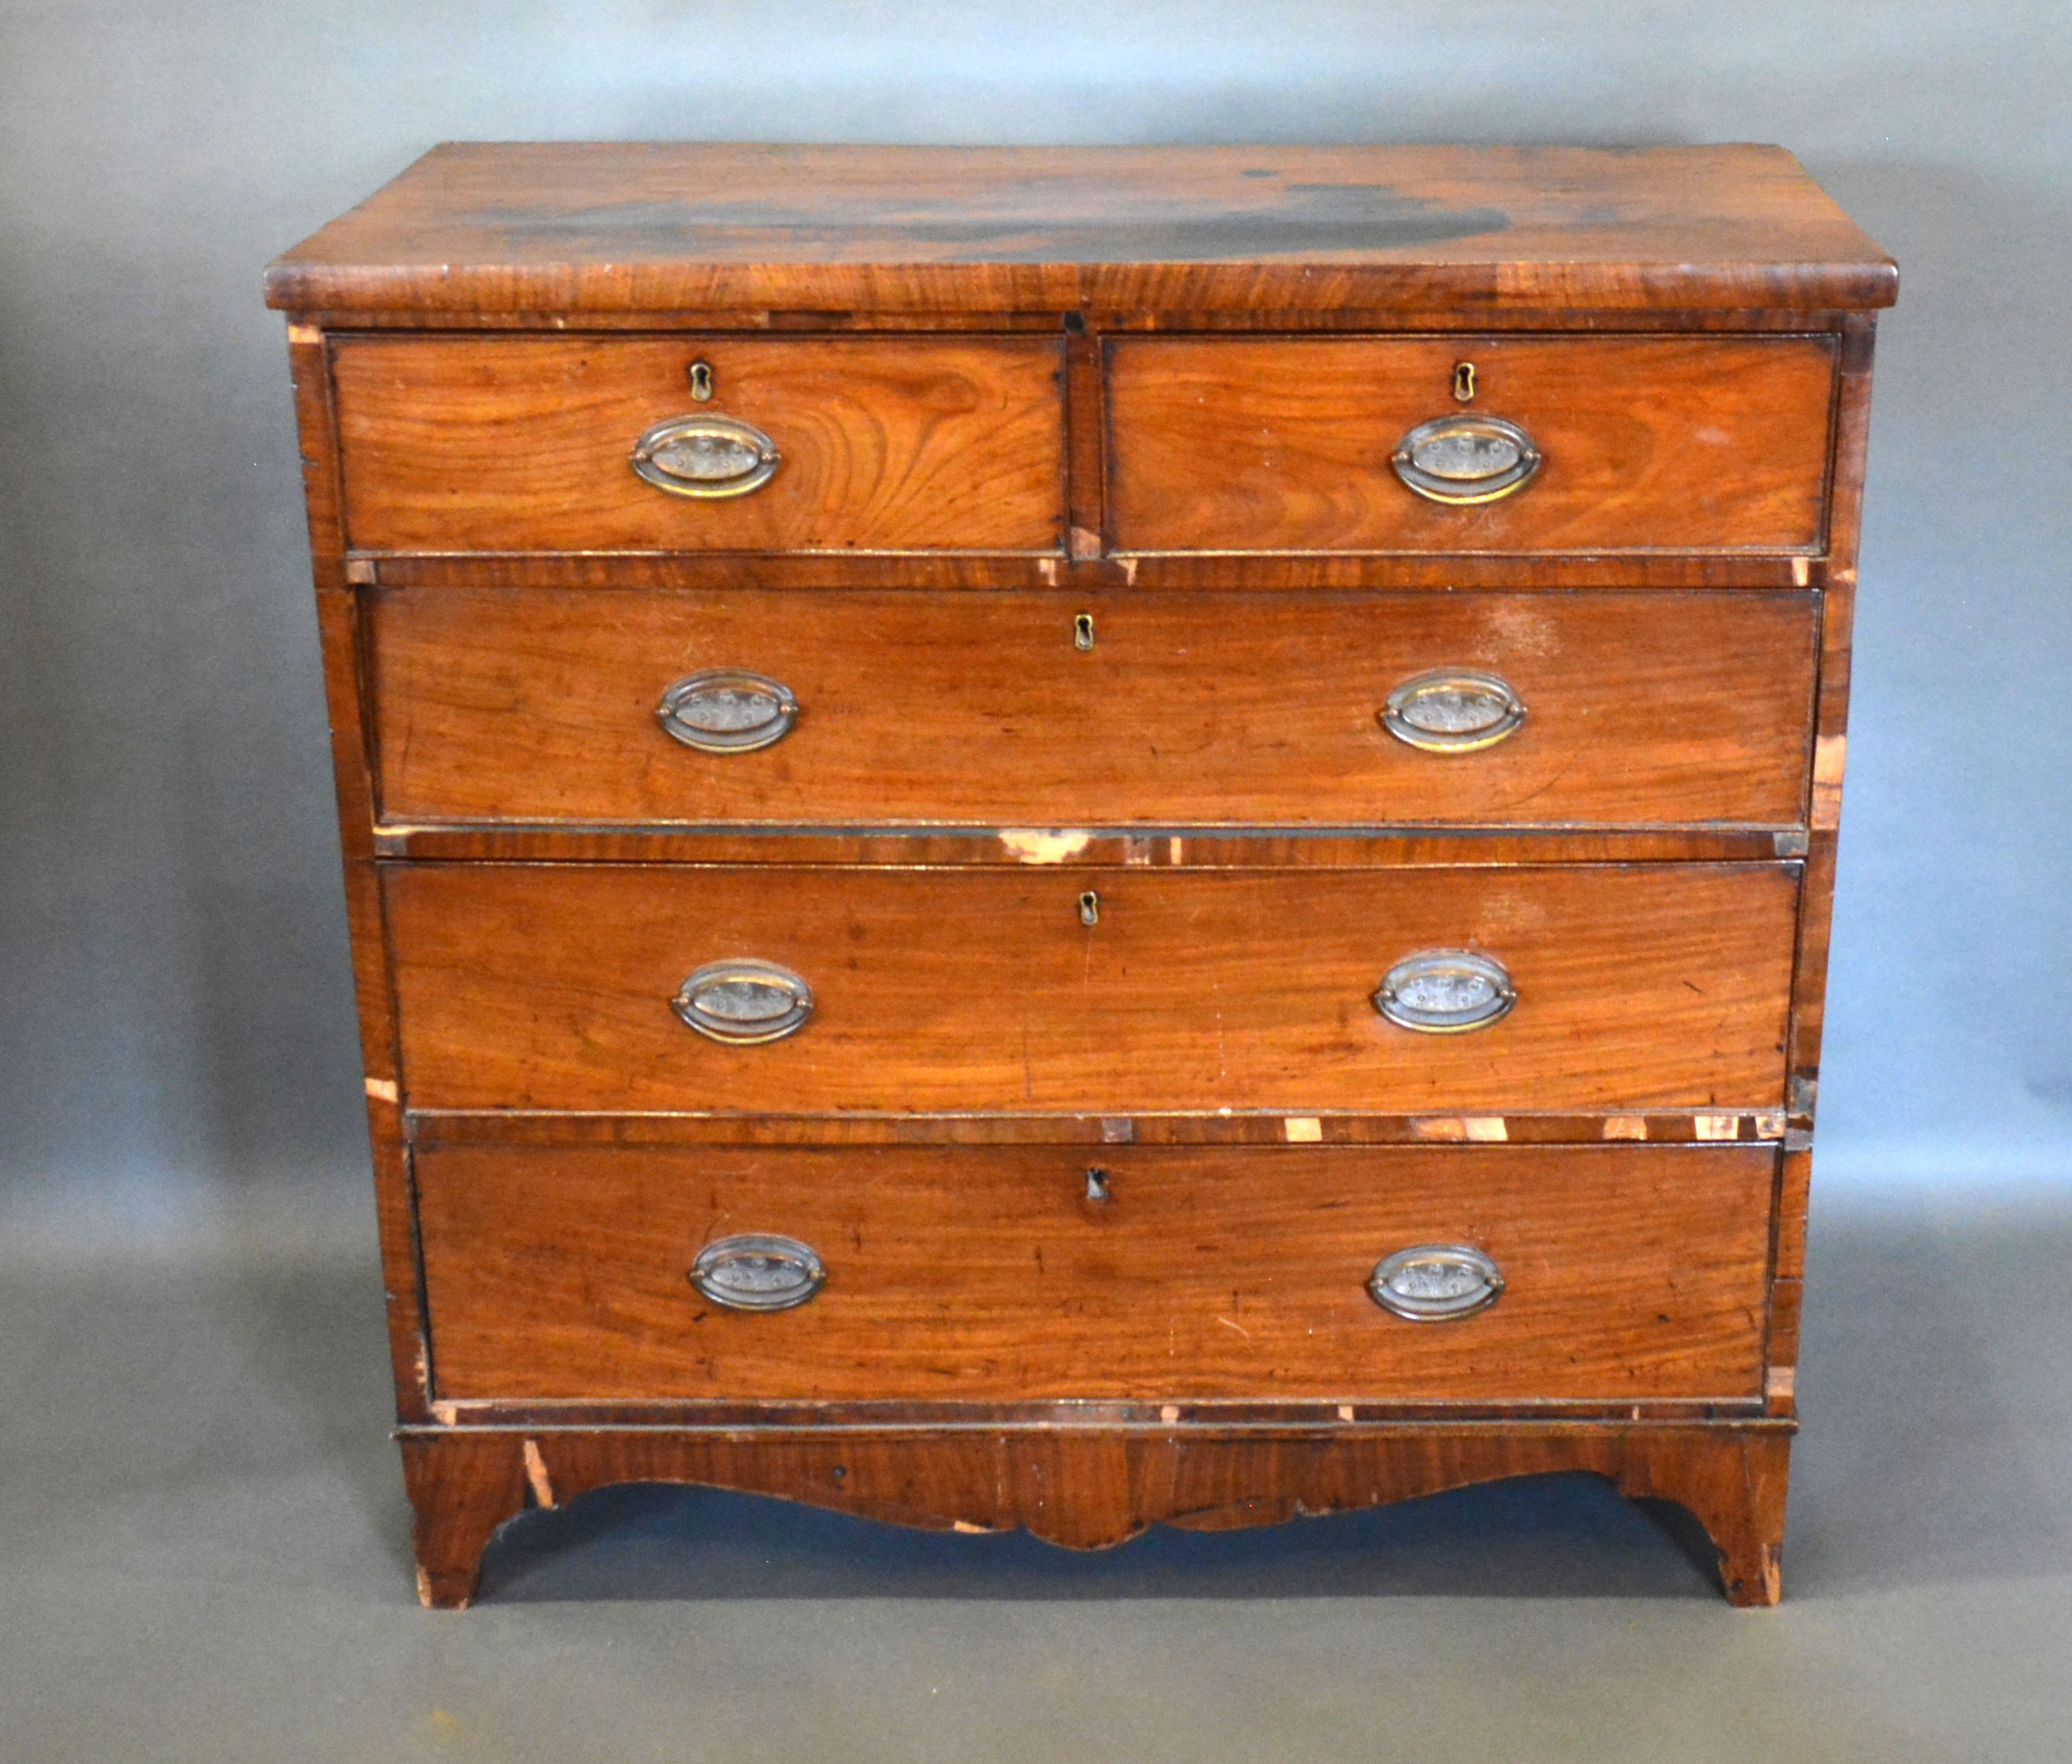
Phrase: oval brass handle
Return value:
(724, 711)
(1436, 1282)
(744, 1002)
(1464, 459)
(1453, 710)
(758, 1272)
(705, 456)
(1445, 992)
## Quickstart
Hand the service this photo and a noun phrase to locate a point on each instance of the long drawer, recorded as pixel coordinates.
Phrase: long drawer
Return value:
(605, 987)
(812, 444)
(1051, 1272)
(1565, 444)
(624, 706)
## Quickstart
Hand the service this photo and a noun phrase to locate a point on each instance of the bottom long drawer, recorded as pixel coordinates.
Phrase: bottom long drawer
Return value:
(1005, 1274)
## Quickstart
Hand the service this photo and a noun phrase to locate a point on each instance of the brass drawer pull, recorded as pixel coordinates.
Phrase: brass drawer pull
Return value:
(1445, 992)
(1436, 1282)
(1453, 710)
(705, 456)
(745, 1002)
(755, 1272)
(723, 710)
(1464, 459)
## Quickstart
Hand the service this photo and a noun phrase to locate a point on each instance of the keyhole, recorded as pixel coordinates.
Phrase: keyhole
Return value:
(1463, 382)
(701, 381)
(1097, 1186)
(1083, 631)
(1090, 909)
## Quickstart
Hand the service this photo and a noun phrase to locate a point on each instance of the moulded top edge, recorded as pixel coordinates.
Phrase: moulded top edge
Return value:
(614, 227)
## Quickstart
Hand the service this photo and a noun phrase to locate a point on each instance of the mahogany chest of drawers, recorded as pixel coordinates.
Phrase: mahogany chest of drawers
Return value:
(1070, 839)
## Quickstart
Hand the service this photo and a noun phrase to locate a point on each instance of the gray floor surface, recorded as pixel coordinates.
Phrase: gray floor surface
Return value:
(204, 1554)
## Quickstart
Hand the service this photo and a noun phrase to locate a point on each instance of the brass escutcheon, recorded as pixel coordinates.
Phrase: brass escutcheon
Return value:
(744, 1003)
(1463, 382)
(1436, 1282)
(727, 710)
(757, 1271)
(1445, 992)
(1453, 710)
(1466, 459)
(705, 457)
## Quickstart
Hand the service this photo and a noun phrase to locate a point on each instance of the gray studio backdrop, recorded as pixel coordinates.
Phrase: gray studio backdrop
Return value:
(177, 1047)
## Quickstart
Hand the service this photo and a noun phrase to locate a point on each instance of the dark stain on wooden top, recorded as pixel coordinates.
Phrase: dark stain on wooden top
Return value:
(601, 227)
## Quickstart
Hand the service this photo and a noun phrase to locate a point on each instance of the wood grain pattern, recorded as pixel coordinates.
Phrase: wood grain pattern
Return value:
(1004, 1127)
(465, 444)
(1159, 385)
(340, 630)
(968, 1274)
(538, 707)
(1852, 427)
(1089, 1489)
(850, 321)
(1237, 848)
(1258, 1415)
(548, 987)
(578, 227)
(1635, 572)
(1651, 444)
(1809, 981)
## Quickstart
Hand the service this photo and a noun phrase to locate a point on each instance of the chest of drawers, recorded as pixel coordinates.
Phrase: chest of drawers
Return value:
(1074, 839)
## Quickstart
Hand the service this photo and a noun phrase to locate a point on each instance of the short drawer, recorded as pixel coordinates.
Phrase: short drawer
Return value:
(1033, 1273)
(626, 706)
(1627, 444)
(1104, 992)
(528, 444)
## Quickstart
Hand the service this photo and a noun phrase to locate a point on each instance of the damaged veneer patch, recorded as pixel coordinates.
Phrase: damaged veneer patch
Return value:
(1035, 845)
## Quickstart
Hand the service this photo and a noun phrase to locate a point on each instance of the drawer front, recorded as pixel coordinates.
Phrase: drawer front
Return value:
(550, 987)
(456, 444)
(1645, 443)
(989, 1275)
(540, 706)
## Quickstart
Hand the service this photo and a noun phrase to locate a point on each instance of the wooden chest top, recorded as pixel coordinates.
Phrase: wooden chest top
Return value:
(474, 230)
